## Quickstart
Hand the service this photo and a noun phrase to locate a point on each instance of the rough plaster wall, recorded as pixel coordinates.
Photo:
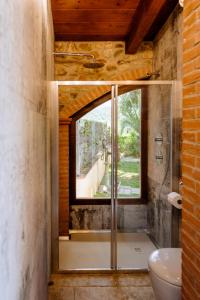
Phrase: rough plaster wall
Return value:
(25, 37)
(167, 61)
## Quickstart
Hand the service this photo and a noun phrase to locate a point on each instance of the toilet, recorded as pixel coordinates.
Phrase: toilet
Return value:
(165, 273)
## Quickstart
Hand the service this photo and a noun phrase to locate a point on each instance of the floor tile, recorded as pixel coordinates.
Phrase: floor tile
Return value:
(61, 293)
(137, 279)
(114, 293)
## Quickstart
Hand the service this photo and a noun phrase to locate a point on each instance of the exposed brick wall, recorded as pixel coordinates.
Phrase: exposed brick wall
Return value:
(191, 151)
(63, 177)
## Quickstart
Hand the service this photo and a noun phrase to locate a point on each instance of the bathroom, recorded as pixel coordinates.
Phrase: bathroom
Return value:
(143, 223)
(99, 156)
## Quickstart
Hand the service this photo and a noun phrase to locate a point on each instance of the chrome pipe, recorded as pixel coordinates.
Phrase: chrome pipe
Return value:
(114, 177)
(111, 83)
(74, 54)
(113, 256)
(115, 173)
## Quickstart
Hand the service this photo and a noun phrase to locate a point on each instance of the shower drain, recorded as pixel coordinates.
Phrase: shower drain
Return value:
(138, 250)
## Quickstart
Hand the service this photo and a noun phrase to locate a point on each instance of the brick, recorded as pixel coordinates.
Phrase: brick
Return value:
(192, 293)
(188, 182)
(188, 32)
(191, 101)
(191, 267)
(192, 149)
(197, 212)
(193, 197)
(189, 207)
(193, 17)
(189, 136)
(196, 175)
(198, 112)
(191, 124)
(188, 171)
(197, 163)
(195, 247)
(191, 77)
(192, 220)
(186, 248)
(190, 67)
(188, 159)
(189, 113)
(191, 53)
(190, 6)
(198, 187)
(198, 137)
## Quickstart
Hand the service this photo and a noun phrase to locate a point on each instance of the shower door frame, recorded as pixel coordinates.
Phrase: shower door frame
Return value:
(175, 113)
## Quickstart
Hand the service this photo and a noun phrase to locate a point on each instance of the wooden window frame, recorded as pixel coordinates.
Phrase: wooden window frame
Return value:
(144, 146)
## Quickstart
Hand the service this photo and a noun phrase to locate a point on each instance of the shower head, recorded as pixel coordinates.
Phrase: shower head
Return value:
(93, 65)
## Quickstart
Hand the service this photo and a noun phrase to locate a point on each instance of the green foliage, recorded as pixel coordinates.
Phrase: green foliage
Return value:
(129, 125)
(129, 110)
(129, 144)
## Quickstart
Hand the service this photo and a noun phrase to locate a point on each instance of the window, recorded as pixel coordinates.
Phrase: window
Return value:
(90, 151)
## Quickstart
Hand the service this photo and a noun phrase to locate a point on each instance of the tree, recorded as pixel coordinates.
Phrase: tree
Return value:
(129, 125)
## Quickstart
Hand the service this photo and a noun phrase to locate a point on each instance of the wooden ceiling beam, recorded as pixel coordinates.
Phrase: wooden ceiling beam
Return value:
(161, 19)
(146, 14)
(97, 4)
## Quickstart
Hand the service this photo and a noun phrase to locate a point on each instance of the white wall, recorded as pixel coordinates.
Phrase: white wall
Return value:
(25, 39)
(87, 186)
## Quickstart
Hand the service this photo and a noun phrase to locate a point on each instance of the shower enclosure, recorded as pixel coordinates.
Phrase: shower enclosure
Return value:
(123, 162)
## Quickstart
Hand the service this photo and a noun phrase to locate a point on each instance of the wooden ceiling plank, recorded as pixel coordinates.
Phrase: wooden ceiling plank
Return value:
(89, 38)
(146, 14)
(95, 4)
(93, 28)
(93, 15)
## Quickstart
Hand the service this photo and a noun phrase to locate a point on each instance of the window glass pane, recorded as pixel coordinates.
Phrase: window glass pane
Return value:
(129, 141)
(93, 153)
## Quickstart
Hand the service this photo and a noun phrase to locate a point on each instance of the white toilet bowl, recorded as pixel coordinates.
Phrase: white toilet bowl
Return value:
(165, 273)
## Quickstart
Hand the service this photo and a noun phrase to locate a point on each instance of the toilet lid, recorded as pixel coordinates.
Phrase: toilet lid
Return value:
(166, 264)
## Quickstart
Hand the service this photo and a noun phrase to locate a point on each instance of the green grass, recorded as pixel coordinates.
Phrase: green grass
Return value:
(126, 166)
(128, 175)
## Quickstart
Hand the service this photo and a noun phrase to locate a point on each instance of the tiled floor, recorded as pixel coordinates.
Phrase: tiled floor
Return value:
(101, 287)
(92, 250)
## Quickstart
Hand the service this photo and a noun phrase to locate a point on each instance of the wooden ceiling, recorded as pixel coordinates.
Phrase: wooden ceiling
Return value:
(110, 20)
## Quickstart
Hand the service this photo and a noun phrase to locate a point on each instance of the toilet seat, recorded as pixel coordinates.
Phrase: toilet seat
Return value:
(166, 264)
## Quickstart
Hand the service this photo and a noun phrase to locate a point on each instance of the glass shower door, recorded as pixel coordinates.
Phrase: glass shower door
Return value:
(89, 243)
(124, 158)
(144, 121)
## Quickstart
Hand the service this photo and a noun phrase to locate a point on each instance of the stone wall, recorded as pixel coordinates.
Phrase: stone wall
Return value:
(167, 63)
(117, 66)
(26, 41)
(131, 218)
(159, 171)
